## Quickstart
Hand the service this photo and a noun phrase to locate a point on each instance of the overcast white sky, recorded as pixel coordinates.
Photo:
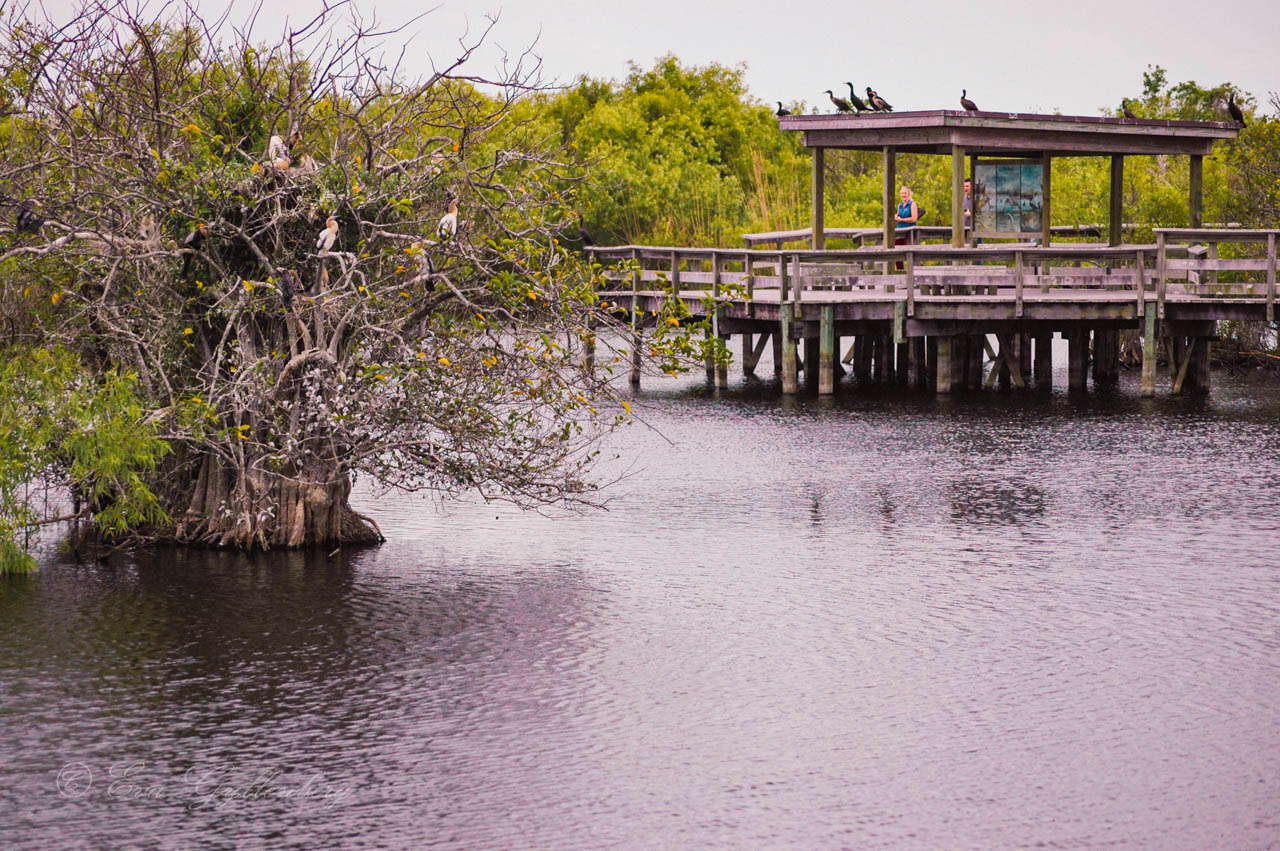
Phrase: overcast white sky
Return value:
(1076, 56)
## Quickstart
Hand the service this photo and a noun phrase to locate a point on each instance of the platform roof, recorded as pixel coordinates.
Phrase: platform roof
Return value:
(1013, 134)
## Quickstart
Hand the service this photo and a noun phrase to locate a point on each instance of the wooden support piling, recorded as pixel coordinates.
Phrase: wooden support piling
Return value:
(790, 375)
(748, 349)
(1200, 363)
(944, 345)
(918, 374)
(1078, 360)
(775, 339)
(812, 358)
(1044, 361)
(1149, 351)
(826, 351)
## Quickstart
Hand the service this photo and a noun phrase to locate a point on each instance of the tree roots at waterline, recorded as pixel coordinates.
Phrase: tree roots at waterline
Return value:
(231, 508)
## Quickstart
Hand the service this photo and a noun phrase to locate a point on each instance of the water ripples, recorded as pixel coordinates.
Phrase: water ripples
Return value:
(903, 622)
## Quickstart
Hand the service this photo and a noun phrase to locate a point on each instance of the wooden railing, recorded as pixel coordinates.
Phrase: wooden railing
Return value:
(1178, 264)
(926, 234)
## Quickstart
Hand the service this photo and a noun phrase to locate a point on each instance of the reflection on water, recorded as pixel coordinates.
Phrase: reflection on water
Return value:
(874, 621)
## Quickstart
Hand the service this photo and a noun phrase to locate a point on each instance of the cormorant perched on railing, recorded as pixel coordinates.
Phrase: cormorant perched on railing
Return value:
(842, 105)
(1124, 107)
(878, 103)
(969, 106)
(1236, 115)
(194, 242)
(28, 220)
(855, 101)
(324, 242)
(781, 111)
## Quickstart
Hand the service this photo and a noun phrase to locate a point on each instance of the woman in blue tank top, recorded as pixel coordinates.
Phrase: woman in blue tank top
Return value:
(905, 217)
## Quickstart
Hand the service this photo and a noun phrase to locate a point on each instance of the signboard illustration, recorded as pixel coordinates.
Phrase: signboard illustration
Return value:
(1008, 198)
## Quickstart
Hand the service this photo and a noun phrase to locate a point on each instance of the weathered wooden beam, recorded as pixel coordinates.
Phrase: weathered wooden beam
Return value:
(775, 340)
(1197, 191)
(890, 195)
(1115, 222)
(826, 351)
(818, 239)
(1149, 351)
(957, 196)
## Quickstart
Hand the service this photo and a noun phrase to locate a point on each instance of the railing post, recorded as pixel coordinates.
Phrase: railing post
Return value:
(796, 285)
(1017, 284)
(675, 274)
(636, 343)
(717, 270)
(1142, 282)
(1160, 278)
(782, 279)
(1271, 277)
(911, 283)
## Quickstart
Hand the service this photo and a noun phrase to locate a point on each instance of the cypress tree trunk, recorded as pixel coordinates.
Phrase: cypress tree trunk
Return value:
(232, 507)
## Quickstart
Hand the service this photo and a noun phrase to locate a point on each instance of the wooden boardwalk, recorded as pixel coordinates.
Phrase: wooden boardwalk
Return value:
(927, 323)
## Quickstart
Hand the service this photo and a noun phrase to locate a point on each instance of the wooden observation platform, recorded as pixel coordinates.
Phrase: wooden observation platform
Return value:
(921, 314)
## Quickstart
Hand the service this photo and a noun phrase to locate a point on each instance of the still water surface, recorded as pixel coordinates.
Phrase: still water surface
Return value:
(890, 621)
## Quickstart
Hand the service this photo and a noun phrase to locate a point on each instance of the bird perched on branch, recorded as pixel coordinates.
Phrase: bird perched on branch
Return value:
(1124, 107)
(841, 104)
(295, 138)
(969, 106)
(583, 235)
(1236, 115)
(193, 242)
(855, 101)
(289, 287)
(276, 148)
(878, 103)
(781, 111)
(324, 242)
(149, 231)
(448, 227)
(28, 219)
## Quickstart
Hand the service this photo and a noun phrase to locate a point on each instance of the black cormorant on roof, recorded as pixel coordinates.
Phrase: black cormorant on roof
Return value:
(855, 101)
(878, 103)
(1236, 115)
(842, 105)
